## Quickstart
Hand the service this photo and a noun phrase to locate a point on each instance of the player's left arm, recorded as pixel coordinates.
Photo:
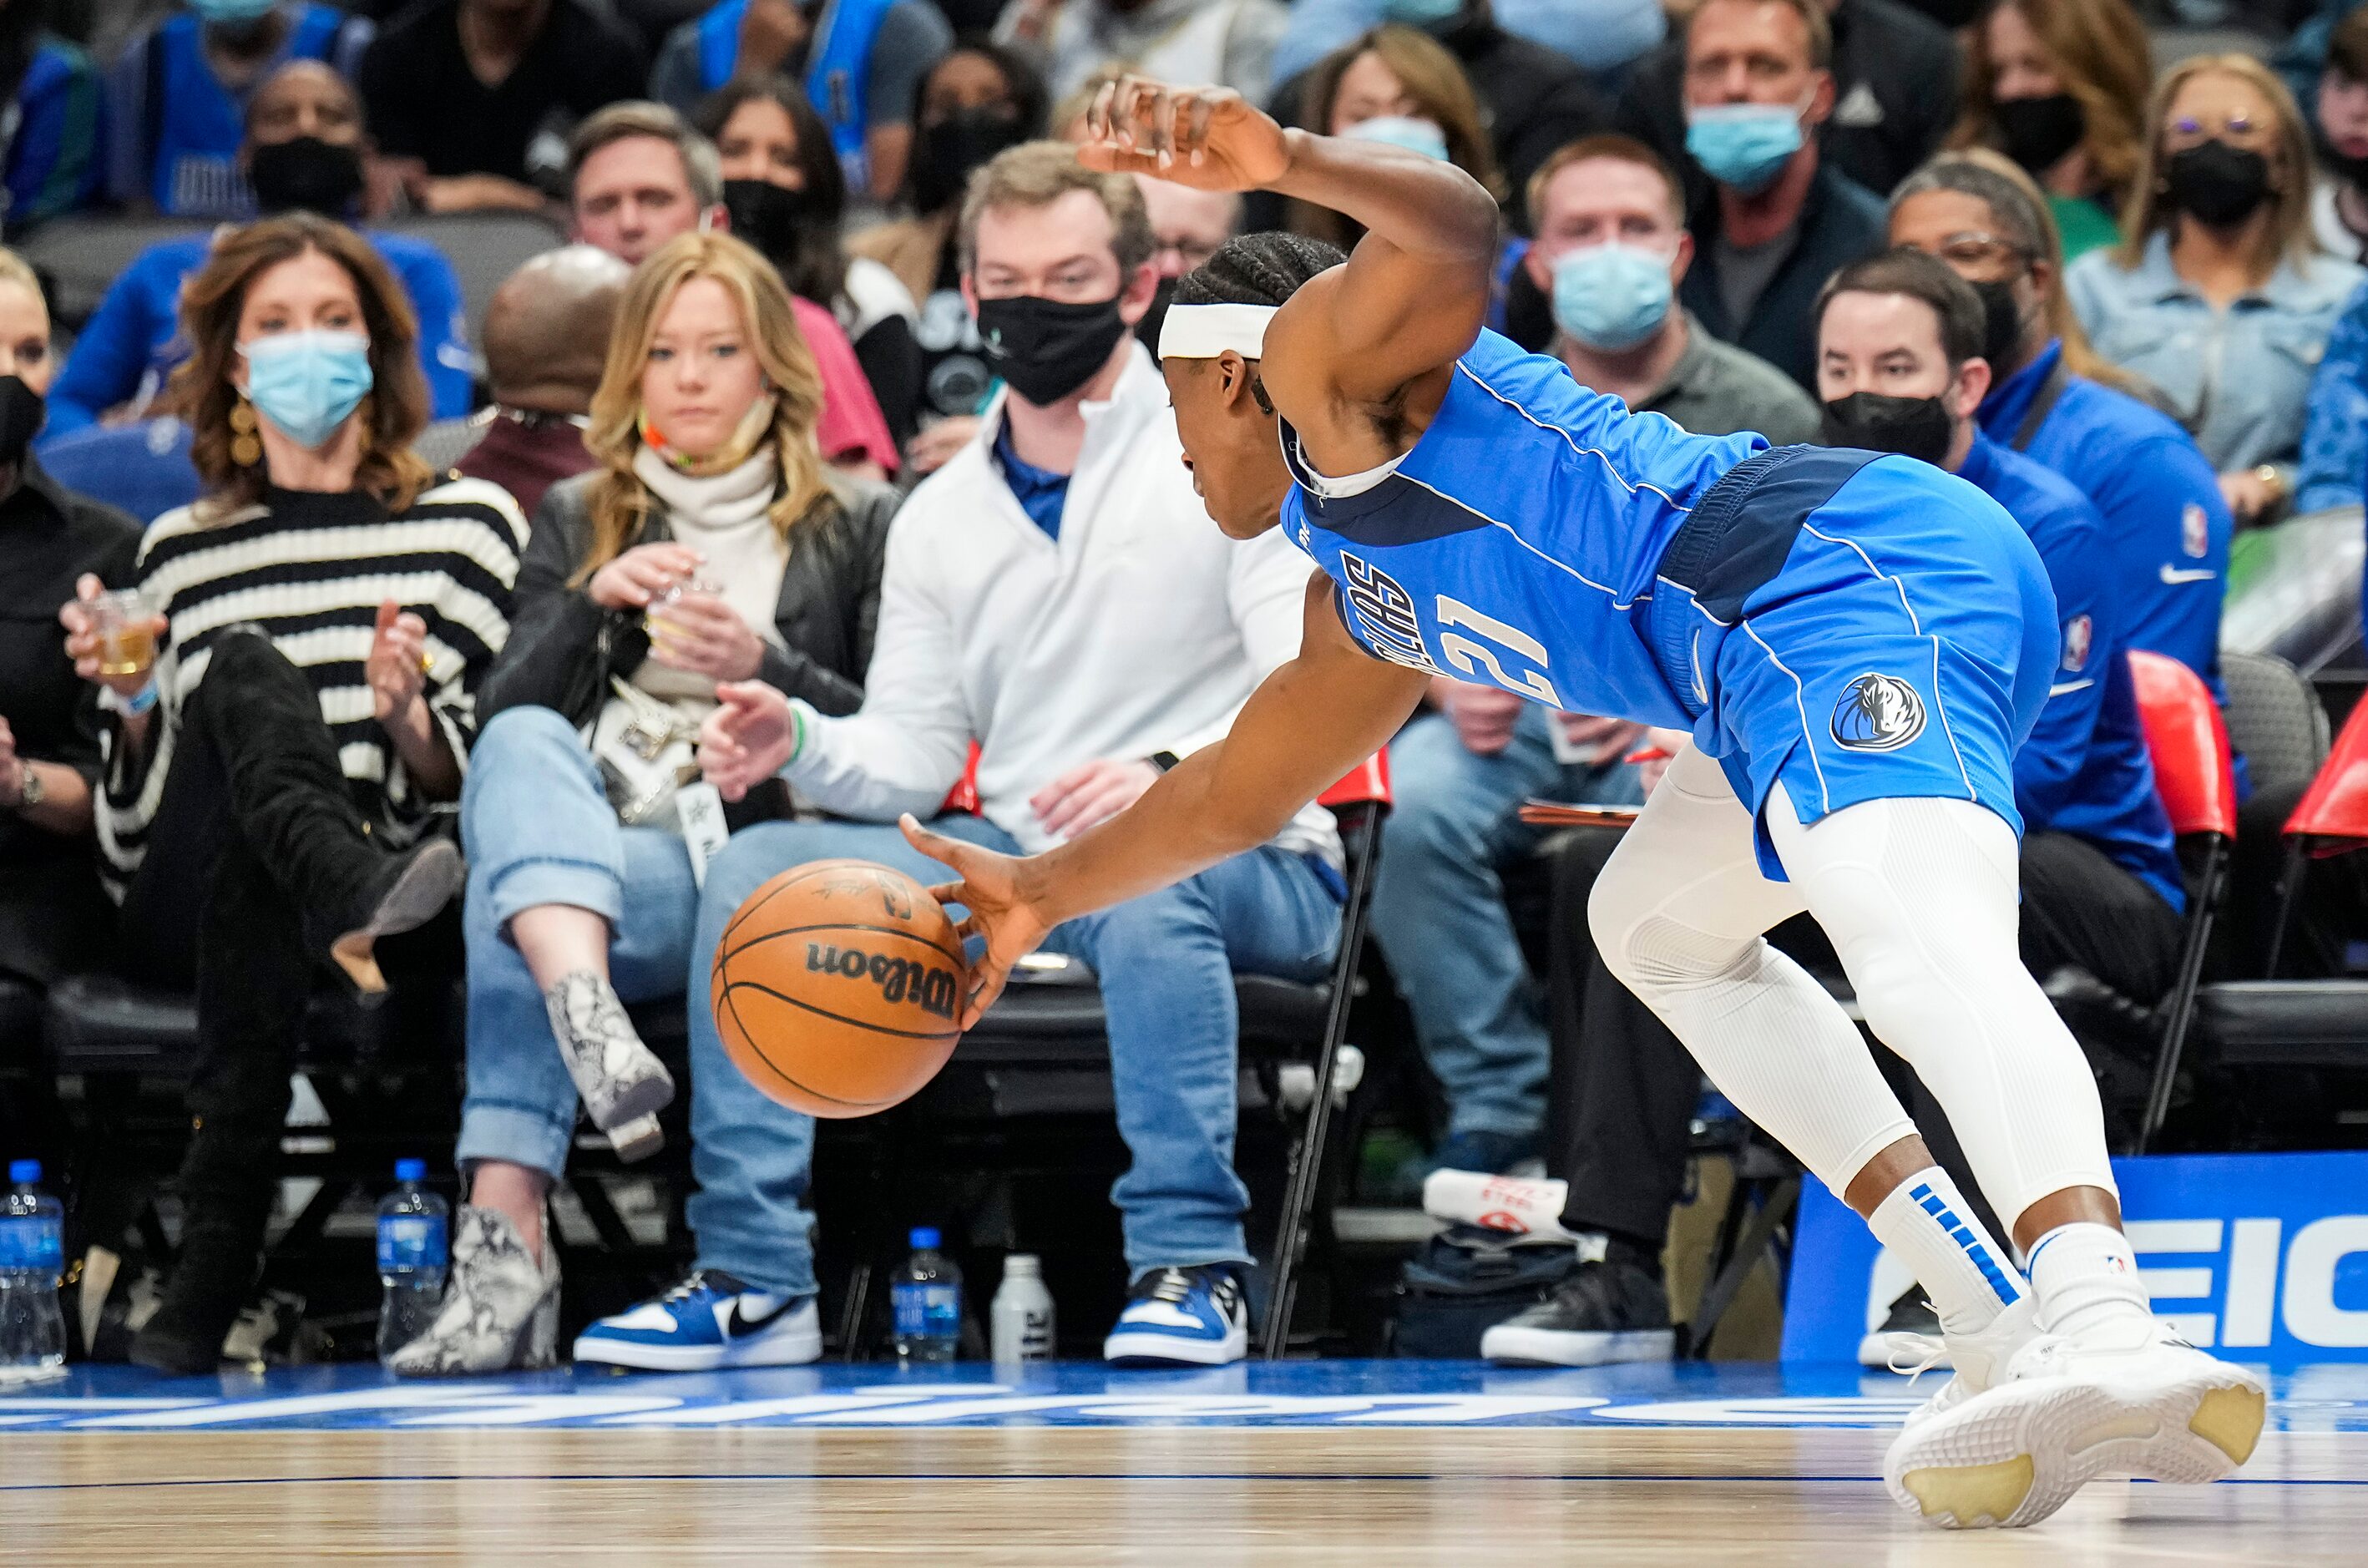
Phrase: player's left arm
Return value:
(1415, 292)
(1306, 724)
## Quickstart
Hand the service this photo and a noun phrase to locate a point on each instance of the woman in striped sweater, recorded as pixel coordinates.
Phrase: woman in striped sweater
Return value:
(325, 615)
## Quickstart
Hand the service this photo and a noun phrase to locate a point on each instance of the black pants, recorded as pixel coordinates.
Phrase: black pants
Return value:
(1623, 1089)
(257, 824)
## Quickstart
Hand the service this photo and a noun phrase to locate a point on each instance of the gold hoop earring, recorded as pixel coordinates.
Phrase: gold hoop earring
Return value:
(246, 446)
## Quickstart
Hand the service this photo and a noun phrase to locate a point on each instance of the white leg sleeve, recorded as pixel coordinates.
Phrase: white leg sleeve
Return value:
(1678, 915)
(1918, 896)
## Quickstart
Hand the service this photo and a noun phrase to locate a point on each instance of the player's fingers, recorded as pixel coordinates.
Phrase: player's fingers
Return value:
(389, 611)
(986, 984)
(1196, 130)
(937, 847)
(1098, 114)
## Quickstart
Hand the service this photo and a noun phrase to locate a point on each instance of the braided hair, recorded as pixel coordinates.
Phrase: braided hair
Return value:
(1257, 270)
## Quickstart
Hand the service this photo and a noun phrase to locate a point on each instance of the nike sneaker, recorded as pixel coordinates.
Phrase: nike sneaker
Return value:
(708, 1323)
(1190, 1317)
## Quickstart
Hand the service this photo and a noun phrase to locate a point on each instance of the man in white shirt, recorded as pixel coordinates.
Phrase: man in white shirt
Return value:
(1056, 594)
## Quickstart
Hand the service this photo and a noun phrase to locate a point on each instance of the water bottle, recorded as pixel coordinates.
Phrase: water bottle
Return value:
(414, 1252)
(928, 1297)
(1021, 1318)
(32, 1255)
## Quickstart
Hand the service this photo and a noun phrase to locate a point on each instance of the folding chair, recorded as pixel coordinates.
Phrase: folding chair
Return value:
(2188, 746)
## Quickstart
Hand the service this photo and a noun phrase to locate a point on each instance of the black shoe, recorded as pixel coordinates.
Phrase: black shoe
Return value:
(1607, 1312)
(1911, 1314)
(401, 893)
(210, 1286)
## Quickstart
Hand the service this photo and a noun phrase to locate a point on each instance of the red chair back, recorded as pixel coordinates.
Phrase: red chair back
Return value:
(1366, 784)
(963, 796)
(2188, 746)
(2335, 808)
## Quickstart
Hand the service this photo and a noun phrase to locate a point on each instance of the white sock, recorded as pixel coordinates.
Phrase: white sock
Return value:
(1967, 1276)
(2086, 1274)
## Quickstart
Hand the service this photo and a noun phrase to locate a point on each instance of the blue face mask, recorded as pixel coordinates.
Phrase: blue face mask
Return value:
(307, 383)
(1399, 131)
(1420, 12)
(231, 12)
(1611, 297)
(1744, 145)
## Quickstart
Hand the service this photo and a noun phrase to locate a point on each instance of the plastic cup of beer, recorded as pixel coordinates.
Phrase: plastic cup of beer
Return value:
(127, 644)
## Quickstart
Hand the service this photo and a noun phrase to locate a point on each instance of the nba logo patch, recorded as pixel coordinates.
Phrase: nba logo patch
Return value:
(1878, 712)
(2194, 532)
(2078, 633)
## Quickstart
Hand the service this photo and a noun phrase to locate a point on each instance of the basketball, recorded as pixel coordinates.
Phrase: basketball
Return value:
(838, 987)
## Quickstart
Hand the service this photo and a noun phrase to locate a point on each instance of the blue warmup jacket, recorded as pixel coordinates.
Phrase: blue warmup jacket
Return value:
(2083, 770)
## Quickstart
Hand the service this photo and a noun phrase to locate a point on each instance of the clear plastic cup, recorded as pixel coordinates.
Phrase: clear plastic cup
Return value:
(127, 643)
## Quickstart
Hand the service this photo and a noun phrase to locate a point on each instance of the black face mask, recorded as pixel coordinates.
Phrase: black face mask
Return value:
(2002, 327)
(1047, 349)
(2216, 184)
(1146, 330)
(945, 154)
(21, 412)
(2037, 132)
(1912, 426)
(767, 216)
(306, 175)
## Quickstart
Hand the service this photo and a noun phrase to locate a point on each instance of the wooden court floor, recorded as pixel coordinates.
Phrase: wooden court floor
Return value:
(1169, 1495)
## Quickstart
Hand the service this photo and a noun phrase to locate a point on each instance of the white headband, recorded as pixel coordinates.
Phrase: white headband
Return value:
(1203, 331)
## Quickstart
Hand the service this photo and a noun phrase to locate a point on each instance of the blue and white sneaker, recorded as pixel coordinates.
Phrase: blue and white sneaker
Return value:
(709, 1321)
(1191, 1317)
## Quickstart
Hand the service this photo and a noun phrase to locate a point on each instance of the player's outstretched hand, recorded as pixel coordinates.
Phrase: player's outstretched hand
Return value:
(1209, 138)
(1002, 913)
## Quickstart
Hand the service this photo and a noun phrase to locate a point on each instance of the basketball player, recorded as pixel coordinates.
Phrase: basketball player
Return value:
(1857, 643)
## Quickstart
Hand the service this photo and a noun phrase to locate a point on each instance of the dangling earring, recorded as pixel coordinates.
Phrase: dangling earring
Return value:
(246, 446)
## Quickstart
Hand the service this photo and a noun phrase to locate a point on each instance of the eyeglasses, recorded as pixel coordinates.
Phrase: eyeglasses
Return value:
(2188, 129)
(1979, 251)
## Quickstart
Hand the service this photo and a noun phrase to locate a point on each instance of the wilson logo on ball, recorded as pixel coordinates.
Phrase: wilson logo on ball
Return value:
(932, 990)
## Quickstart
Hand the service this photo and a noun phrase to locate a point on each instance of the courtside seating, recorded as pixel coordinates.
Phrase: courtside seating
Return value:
(2188, 746)
(2300, 1023)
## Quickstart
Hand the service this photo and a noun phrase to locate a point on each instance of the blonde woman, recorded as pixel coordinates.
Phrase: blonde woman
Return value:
(2218, 294)
(710, 543)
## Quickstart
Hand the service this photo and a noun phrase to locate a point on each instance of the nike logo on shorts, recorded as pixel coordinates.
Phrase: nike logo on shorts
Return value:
(2175, 575)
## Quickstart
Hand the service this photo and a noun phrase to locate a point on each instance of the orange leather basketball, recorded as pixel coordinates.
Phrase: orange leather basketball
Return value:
(837, 987)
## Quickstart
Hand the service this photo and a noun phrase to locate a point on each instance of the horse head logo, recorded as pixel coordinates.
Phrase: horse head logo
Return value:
(1878, 712)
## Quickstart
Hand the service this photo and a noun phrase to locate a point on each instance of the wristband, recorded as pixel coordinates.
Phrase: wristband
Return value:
(139, 702)
(797, 732)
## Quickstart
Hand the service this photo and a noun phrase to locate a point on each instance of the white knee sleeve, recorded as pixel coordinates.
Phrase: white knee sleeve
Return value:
(1677, 915)
(1919, 898)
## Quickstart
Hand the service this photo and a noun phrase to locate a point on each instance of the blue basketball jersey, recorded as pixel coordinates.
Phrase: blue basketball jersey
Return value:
(1514, 544)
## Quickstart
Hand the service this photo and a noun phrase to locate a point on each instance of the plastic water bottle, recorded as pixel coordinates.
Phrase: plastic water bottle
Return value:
(32, 1255)
(414, 1253)
(1020, 1321)
(928, 1302)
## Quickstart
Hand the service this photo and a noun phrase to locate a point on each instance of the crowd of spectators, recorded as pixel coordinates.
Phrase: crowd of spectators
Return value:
(825, 449)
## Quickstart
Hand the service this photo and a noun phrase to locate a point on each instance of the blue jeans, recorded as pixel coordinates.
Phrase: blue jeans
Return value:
(1165, 962)
(539, 830)
(1440, 918)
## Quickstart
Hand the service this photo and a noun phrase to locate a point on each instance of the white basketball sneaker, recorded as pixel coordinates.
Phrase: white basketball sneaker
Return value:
(2008, 1442)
